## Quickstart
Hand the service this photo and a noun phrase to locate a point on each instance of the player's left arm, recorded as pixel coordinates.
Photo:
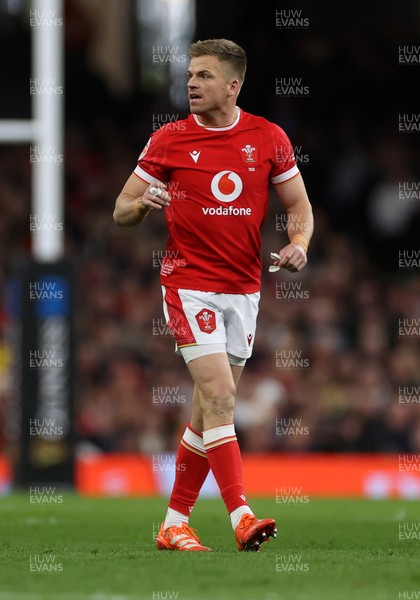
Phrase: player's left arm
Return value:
(292, 194)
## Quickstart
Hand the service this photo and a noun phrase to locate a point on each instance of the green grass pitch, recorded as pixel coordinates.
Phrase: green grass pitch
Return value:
(103, 549)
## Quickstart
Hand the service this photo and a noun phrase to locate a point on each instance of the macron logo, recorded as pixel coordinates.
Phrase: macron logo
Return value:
(195, 155)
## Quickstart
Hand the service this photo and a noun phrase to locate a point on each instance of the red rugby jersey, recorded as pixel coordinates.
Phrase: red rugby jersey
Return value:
(218, 179)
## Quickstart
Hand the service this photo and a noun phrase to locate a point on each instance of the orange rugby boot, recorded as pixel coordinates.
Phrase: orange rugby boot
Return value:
(251, 532)
(179, 538)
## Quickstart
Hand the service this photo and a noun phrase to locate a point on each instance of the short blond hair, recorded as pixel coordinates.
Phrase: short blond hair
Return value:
(225, 50)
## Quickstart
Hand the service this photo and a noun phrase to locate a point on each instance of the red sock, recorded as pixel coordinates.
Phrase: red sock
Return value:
(192, 468)
(224, 458)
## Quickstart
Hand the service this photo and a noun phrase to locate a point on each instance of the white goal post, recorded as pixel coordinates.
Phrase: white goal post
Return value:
(44, 131)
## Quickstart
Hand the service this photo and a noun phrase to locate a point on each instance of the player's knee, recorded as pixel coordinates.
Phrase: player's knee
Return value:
(218, 400)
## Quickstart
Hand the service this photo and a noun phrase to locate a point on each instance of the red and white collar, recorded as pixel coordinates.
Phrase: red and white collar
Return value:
(231, 126)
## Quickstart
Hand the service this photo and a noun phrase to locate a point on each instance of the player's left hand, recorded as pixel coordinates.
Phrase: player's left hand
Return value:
(292, 258)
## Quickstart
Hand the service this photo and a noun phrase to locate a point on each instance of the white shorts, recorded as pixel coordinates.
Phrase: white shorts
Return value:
(208, 322)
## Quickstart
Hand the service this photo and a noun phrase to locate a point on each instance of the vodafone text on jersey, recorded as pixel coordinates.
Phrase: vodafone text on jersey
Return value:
(226, 186)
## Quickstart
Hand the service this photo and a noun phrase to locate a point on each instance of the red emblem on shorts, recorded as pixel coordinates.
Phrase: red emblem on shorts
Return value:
(206, 320)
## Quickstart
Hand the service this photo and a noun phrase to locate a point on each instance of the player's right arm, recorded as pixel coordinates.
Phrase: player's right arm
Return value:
(135, 201)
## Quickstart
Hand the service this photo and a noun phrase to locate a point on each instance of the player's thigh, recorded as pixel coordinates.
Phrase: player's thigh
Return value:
(213, 376)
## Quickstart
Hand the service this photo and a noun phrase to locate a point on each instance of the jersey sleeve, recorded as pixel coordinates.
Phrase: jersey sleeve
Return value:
(284, 163)
(152, 165)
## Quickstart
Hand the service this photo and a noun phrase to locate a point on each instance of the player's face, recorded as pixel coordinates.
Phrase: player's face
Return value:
(209, 84)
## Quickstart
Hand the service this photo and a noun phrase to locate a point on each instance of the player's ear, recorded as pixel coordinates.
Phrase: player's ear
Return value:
(233, 87)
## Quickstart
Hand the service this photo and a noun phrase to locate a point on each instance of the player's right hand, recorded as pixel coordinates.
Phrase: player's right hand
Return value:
(152, 200)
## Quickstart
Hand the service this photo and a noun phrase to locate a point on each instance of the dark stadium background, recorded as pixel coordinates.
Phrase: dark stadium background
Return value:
(355, 293)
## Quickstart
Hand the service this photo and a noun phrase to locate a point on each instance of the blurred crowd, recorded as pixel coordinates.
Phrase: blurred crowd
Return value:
(336, 364)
